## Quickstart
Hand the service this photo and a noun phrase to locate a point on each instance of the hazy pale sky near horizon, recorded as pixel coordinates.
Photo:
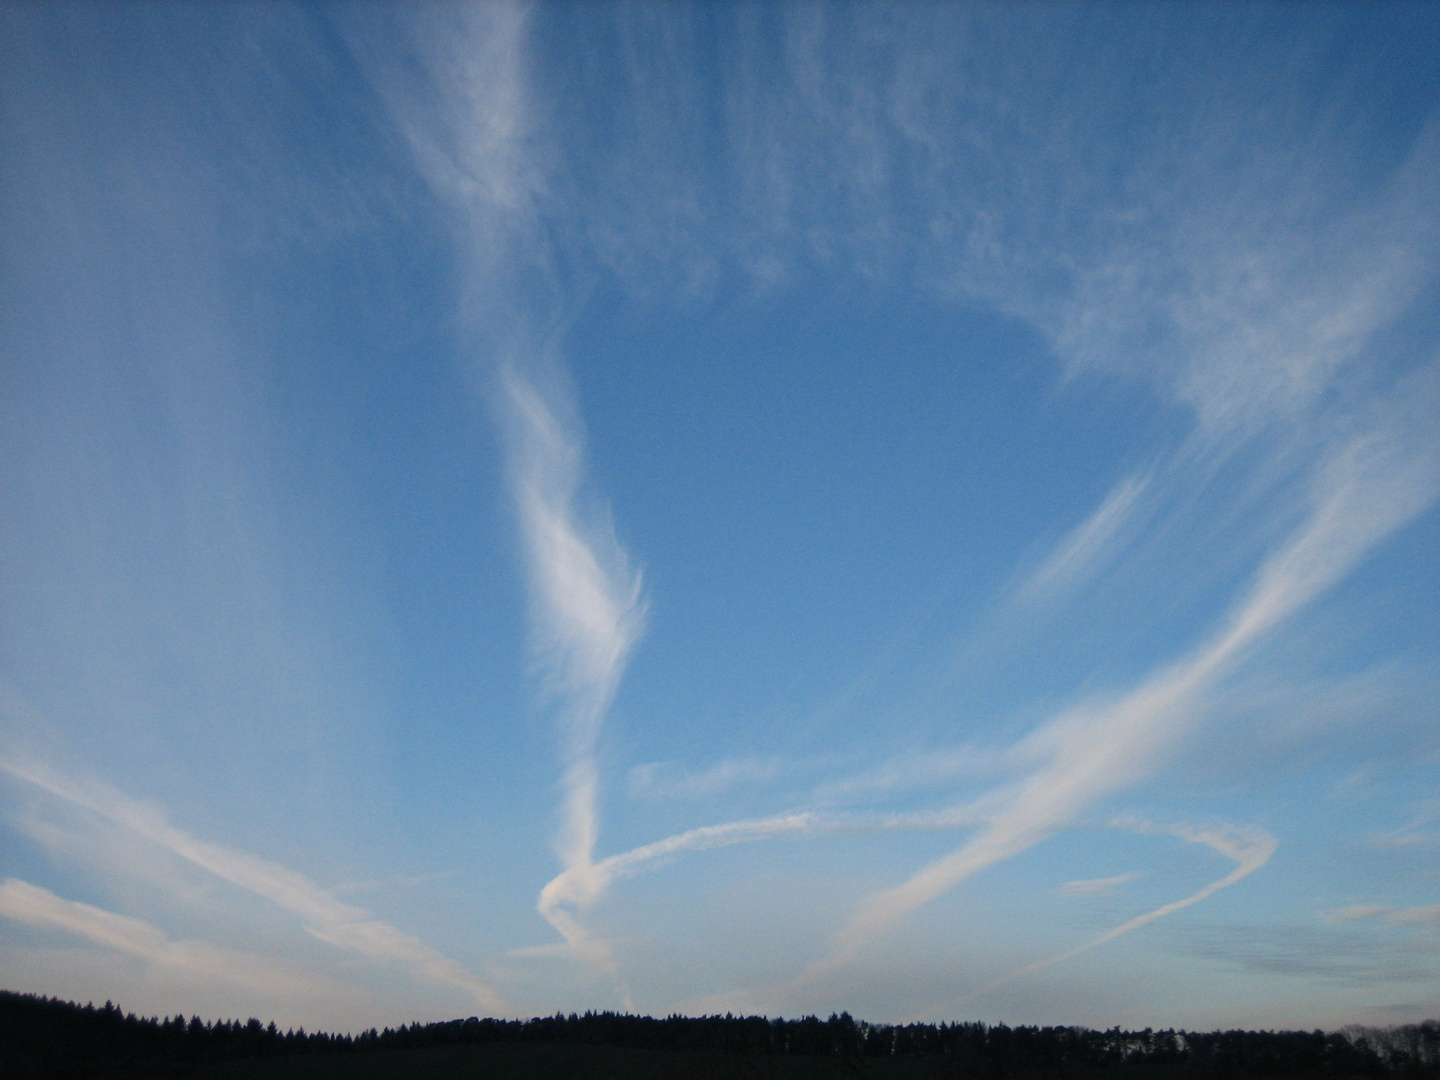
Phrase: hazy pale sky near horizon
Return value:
(924, 510)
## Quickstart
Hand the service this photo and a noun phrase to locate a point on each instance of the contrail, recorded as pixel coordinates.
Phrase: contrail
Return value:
(339, 924)
(474, 140)
(1375, 483)
(35, 906)
(586, 614)
(589, 883)
(1250, 850)
(470, 123)
(1090, 544)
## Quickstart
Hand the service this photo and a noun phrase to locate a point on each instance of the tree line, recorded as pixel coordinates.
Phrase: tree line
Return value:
(47, 1037)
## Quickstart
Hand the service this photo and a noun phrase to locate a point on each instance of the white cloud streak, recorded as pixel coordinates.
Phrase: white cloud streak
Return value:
(1090, 544)
(1250, 850)
(1227, 302)
(912, 770)
(193, 961)
(472, 126)
(807, 822)
(669, 780)
(1096, 886)
(461, 103)
(586, 614)
(344, 926)
(587, 884)
(1376, 482)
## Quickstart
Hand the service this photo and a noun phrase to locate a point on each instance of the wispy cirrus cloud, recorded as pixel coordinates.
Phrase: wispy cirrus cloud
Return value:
(454, 82)
(904, 772)
(670, 780)
(472, 122)
(604, 873)
(586, 614)
(1371, 485)
(1207, 238)
(1253, 315)
(1090, 544)
(1415, 831)
(342, 925)
(1250, 849)
(191, 961)
(1097, 886)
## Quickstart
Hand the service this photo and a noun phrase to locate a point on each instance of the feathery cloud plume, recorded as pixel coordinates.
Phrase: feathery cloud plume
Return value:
(1096, 886)
(1375, 482)
(470, 124)
(586, 614)
(1242, 359)
(588, 883)
(1090, 544)
(342, 925)
(195, 961)
(472, 132)
(1250, 850)
(670, 780)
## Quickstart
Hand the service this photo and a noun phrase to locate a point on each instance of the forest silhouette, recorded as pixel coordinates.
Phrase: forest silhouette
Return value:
(46, 1037)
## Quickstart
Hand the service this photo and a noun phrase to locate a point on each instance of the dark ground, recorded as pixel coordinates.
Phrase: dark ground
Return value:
(47, 1039)
(542, 1061)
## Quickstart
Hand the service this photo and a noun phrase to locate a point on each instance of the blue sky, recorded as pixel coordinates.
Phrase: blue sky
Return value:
(928, 511)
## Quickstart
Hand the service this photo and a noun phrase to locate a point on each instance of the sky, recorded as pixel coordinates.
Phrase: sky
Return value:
(922, 510)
